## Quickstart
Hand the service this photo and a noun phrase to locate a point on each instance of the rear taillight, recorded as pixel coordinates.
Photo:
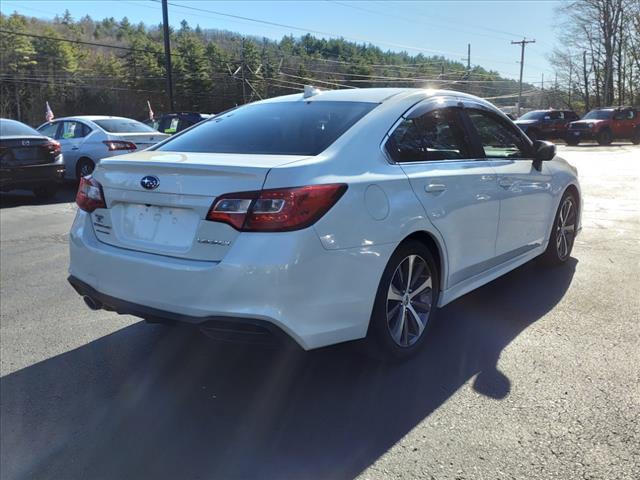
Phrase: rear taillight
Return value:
(276, 210)
(53, 147)
(119, 145)
(90, 196)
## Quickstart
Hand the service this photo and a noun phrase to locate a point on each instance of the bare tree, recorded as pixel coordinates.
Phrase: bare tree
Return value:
(603, 37)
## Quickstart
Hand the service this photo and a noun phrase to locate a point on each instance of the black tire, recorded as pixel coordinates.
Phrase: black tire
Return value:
(558, 251)
(572, 141)
(45, 192)
(635, 139)
(533, 135)
(605, 137)
(84, 167)
(380, 339)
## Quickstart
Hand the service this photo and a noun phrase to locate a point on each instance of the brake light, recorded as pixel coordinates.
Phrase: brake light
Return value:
(90, 196)
(53, 147)
(276, 210)
(119, 145)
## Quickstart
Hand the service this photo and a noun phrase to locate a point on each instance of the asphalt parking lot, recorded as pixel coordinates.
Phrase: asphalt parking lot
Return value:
(536, 375)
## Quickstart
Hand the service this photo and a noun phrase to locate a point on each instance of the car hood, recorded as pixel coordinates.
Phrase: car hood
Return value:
(587, 122)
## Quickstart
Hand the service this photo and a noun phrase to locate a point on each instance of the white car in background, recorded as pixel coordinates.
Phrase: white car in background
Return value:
(329, 216)
(86, 139)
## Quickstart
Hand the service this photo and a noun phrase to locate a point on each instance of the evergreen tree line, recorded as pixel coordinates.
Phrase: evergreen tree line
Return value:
(112, 67)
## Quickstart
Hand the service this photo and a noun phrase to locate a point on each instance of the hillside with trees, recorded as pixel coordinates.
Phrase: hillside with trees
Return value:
(111, 66)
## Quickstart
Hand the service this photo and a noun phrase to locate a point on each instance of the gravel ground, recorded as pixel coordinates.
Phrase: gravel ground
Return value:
(536, 375)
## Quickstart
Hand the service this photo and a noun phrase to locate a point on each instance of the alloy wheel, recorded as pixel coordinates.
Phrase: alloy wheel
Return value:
(409, 300)
(565, 228)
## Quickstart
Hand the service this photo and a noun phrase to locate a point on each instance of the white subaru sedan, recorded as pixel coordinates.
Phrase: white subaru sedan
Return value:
(322, 217)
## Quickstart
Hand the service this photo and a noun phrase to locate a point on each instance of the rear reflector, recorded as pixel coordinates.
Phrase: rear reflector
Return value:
(119, 145)
(90, 196)
(276, 210)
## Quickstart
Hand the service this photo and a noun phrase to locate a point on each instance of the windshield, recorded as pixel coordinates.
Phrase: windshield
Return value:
(123, 125)
(11, 128)
(536, 115)
(284, 128)
(598, 115)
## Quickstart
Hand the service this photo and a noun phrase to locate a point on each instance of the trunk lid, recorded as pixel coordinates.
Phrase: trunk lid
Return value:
(25, 151)
(170, 218)
(142, 140)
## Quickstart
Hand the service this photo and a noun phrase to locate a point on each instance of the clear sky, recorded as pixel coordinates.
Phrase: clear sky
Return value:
(431, 27)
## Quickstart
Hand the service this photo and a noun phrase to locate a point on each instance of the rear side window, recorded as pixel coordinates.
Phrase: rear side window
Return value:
(123, 125)
(499, 139)
(279, 128)
(73, 130)
(11, 128)
(436, 135)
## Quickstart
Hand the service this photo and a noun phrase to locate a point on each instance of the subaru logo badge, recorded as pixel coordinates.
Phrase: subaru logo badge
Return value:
(150, 182)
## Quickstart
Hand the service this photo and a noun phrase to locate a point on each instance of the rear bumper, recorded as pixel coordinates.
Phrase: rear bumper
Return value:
(244, 330)
(31, 176)
(289, 281)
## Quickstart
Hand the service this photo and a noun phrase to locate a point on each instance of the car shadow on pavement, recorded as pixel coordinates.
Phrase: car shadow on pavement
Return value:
(17, 198)
(158, 402)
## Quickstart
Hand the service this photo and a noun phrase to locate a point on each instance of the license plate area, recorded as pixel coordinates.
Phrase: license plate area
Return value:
(156, 227)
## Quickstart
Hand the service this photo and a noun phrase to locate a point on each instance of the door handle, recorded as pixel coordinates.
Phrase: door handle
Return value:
(506, 182)
(435, 187)
(75, 148)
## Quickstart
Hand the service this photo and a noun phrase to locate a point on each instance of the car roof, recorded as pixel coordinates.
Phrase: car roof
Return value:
(370, 95)
(92, 118)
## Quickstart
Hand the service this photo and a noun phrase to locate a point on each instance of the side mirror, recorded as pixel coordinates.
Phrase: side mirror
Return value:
(543, 151)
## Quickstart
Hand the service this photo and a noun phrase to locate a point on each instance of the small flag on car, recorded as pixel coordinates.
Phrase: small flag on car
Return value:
(49, 113)
(150, 111)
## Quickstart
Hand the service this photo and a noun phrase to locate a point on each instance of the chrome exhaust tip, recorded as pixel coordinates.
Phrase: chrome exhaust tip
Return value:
(92, 303)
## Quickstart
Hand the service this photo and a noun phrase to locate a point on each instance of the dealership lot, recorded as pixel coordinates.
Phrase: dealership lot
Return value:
(534, 375)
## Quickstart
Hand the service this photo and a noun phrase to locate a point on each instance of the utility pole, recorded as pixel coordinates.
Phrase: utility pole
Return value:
(468, 67)
(167, 52)
(570, 80)
(522, 44)
(586, 81)
(244, 82)
(542, 102)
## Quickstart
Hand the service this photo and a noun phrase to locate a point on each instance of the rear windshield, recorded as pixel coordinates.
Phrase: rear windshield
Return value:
(123, 125)
(11, 128)
(279, 128)
(598, 115)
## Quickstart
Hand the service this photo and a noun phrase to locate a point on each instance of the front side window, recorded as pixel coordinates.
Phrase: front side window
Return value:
(625, 115)
(436, 135)
(498, 139)
(277, 128)
(556, 115)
